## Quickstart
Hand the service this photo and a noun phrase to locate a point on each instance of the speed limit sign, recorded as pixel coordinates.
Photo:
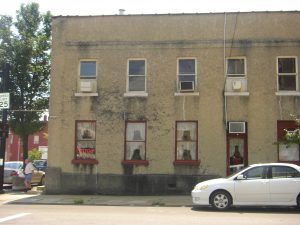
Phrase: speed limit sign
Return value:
(4, 100)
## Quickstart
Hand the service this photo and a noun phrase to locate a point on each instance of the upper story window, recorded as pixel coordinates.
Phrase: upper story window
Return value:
(87, 82)
(187, 74)
(88, 69)
(136, 80)
(236, 67)
(287, 73)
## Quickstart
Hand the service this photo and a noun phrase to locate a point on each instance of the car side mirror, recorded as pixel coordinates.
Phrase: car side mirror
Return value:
(240, 177)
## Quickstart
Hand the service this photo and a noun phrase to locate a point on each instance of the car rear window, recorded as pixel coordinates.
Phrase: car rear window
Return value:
(284, 172)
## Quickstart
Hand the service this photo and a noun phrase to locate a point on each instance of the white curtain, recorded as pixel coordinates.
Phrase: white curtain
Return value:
(135, 132)
(186, 131)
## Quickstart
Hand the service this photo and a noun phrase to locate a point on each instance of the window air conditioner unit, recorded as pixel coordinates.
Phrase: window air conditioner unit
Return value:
(236, 85)
(85, 86)
(237, 127)
(186, 85)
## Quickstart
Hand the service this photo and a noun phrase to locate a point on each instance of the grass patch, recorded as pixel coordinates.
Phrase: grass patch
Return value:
(158, 203)
(78, 201)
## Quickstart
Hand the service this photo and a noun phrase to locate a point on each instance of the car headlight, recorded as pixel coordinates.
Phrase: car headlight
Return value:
(201, 187)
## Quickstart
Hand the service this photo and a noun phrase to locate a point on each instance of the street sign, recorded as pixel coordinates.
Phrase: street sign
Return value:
(4, 100)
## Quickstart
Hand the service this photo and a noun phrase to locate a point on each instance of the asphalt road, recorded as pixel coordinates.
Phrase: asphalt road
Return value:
(119, 215)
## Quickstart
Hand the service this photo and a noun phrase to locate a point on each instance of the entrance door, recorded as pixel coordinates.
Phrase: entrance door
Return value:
(236, 152)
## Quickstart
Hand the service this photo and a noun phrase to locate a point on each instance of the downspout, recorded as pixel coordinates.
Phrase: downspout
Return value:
(224, 66)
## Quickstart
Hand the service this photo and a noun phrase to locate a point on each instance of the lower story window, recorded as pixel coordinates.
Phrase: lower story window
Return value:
(186, 142)
(135, 146)
(287, 152)
(85, 140)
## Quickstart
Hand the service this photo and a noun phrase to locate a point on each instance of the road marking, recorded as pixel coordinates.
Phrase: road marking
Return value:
(13, 217)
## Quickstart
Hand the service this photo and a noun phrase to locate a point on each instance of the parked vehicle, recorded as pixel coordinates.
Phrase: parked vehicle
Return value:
(40, 164)
(270, 184)
(13, 168)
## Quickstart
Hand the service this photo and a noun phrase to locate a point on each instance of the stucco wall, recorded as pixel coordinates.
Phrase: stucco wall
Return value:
(161, 40)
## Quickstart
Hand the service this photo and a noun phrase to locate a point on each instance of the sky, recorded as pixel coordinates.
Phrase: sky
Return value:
(111, 7)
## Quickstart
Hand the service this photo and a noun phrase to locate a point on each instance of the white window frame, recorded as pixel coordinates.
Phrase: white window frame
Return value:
(284, 74)
(178, 74)
(140, 75)
(237, 75)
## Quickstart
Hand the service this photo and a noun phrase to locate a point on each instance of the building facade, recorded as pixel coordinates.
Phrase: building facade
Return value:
(151, 104)
(38, 140)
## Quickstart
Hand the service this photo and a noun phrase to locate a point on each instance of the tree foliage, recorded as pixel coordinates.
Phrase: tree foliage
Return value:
(34, 154)
(25, 45)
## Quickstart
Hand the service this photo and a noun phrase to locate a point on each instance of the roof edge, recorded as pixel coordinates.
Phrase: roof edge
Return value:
(174, 14)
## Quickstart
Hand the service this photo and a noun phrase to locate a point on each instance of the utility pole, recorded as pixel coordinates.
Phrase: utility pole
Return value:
(4, 106)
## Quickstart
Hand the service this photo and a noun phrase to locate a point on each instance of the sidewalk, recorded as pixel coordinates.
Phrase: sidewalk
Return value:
(36, 197)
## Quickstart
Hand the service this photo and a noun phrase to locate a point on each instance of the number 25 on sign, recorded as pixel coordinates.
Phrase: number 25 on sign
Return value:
(4, 100)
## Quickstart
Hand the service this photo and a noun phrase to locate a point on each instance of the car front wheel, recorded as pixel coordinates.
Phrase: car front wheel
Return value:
(221, 200)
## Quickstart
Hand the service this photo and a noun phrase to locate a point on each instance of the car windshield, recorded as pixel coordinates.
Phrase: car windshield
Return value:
(13, 165)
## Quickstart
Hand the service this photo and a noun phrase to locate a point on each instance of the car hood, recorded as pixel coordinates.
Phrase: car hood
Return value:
(217, 181)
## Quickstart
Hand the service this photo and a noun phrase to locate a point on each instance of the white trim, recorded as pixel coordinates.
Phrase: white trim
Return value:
(227, 93)
(135, 94)
(186, 94)
(127, 73)
(86, 94)
(287, 93)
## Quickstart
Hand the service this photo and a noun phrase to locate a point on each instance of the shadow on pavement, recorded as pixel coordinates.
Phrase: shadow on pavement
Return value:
(248, 209)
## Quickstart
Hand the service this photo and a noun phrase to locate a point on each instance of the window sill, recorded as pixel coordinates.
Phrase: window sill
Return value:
(186, 94)
(186, 163)
(231, 93)
(135, 162)
(80, 94)
(85, 161)
(287, 93)
(135, 94)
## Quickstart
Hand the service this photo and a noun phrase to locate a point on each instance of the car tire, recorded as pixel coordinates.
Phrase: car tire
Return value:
(221, 200)
(42, 182)
(298, 201)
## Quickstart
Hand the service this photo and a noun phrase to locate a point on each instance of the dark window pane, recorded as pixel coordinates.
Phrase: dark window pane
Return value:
(88, 69)
(187, 66)
(236, 66)
(137, 83)
(255, 173)
(287, 65)
(137, 67)
(284, 172)
(287, 82)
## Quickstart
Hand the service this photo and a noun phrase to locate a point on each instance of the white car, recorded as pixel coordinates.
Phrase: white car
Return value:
(269, 184)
